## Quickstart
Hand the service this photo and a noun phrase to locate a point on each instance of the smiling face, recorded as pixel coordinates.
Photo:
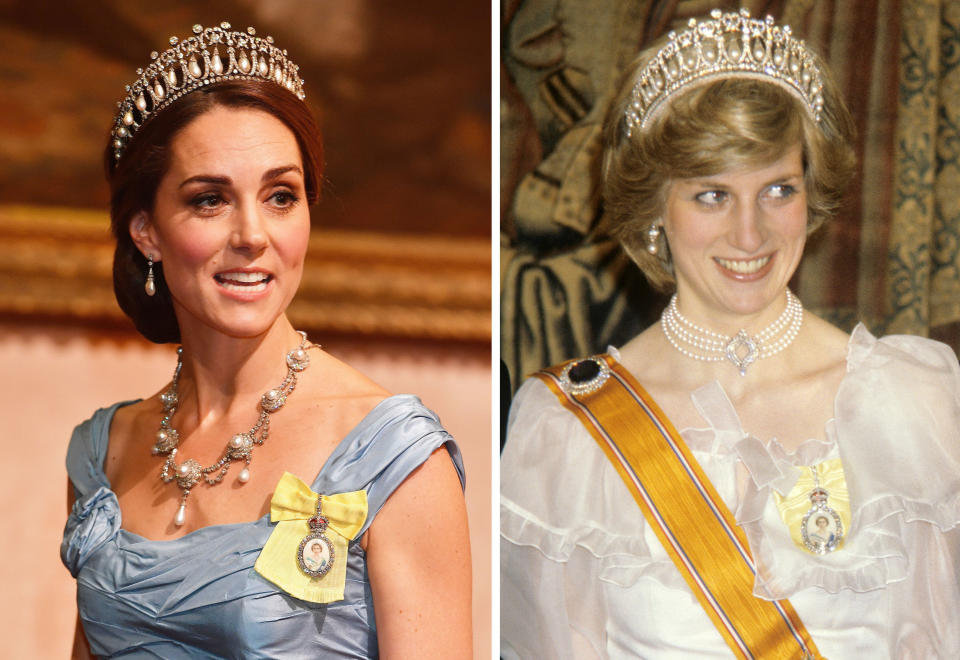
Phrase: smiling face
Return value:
(736, 238)
(230, 223)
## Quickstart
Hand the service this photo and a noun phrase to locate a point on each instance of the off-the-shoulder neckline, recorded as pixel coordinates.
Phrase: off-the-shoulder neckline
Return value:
(338, 451)
(859, 344)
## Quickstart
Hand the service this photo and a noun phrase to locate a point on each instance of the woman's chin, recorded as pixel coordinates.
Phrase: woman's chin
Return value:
(753, 300)
(238, 324)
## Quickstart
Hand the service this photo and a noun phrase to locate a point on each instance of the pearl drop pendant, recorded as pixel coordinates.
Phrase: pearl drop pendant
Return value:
(244, 475)
(150, 287)
(181, 516)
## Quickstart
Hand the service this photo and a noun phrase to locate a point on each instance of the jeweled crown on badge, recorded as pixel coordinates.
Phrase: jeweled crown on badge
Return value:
(211, 55)
(730, 45)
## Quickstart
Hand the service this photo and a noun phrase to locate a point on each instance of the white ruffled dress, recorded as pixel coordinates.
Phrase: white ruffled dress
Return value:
(583, 575)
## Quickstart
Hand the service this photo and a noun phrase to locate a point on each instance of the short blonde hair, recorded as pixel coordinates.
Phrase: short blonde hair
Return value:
(718, 126)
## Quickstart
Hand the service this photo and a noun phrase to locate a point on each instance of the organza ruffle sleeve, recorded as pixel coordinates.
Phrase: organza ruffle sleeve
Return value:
(898, 420)
(559, 493)
(565, 530)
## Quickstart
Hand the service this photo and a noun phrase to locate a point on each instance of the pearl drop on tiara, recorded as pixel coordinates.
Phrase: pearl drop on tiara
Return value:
(210, 56)
(730, 45)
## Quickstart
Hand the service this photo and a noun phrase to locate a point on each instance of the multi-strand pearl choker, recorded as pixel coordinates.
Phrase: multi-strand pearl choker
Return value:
(742, 349)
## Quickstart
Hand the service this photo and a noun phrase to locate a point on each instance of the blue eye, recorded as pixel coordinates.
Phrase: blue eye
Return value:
(781, 191)
(711, 197)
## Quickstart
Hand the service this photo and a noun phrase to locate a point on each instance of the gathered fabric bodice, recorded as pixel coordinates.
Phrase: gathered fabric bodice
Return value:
(583, 575)
(199, 596)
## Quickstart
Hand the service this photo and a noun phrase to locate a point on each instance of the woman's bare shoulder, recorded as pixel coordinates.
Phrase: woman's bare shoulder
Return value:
(650, 358)
(333, 397)
(331, 377)
(128, 418)
(826, 331)
(823, 346)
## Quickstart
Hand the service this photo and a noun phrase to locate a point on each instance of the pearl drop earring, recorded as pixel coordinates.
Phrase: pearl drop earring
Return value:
(150, 286)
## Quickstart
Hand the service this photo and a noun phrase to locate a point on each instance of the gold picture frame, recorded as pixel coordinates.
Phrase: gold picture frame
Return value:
(57, 264)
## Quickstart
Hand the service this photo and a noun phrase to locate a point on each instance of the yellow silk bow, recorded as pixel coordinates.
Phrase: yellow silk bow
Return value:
(796, 504)
(292, 505)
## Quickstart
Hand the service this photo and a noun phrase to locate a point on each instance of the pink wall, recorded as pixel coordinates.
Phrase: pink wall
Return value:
(51, 379)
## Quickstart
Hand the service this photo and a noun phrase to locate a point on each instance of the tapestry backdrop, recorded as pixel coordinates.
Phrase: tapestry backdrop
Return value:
(891, 257)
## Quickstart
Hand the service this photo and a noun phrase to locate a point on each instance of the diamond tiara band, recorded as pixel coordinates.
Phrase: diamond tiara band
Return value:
(211, 55)
(731, 45)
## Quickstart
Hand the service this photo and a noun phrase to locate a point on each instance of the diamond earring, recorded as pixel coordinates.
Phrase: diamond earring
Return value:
(653, 236)
(150, 286)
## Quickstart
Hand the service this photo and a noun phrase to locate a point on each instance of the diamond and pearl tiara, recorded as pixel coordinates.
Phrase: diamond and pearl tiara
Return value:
(212, 55)
(731, 45)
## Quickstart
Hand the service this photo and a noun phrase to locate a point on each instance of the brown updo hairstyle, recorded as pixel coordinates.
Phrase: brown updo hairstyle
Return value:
(134, 180)
(715, 127)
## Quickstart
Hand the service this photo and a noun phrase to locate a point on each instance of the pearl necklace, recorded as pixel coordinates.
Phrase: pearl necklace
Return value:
(240, 447)
(742, 349)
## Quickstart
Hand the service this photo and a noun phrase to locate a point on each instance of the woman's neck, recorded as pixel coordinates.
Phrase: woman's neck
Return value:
(729, 322)
(220, 371)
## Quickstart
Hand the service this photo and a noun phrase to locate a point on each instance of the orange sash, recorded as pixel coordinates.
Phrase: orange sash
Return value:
(684, 510)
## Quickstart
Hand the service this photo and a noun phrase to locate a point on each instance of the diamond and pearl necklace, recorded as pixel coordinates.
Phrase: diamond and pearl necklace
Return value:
(742, 349)
(240, 447)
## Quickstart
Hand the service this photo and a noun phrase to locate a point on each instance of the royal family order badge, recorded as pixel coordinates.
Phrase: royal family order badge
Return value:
(315, 555)
(821, 527)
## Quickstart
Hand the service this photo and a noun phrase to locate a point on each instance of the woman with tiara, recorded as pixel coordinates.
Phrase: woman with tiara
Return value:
(347, 536)
(741, 477)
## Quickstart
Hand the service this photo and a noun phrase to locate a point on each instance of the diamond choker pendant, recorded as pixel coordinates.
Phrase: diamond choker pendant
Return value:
(742, 349)
(821, 528)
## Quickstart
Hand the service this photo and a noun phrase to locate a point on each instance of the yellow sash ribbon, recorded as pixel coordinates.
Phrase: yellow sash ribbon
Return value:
(684, 510)
(293, 503)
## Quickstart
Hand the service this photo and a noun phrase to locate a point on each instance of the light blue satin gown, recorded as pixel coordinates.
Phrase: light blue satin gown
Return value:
(198, 596)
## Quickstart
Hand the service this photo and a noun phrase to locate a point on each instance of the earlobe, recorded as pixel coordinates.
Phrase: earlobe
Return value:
(143, 235)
